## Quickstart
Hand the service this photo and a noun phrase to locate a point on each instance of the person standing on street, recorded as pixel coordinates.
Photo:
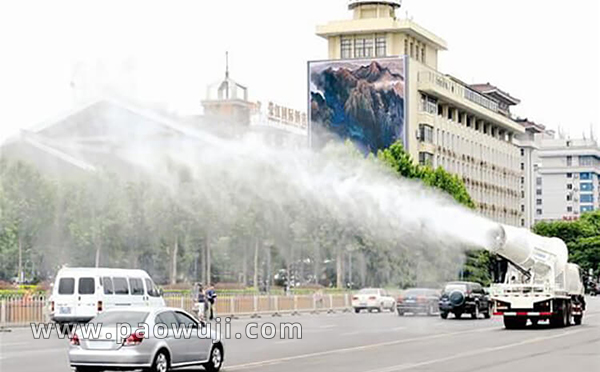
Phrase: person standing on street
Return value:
(211, 296)
(201, 303)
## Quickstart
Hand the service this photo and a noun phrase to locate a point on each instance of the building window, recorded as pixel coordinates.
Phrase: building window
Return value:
(522, 152)
(522, 180)
(450, 112)
(569, 161)
(429, 104)
(586, 208)
(587, 198)
(569, 186)
(538, 192)
(363, 47)
(406, 46)
(425, 158)
(423, 55)
(538, 181)
(523, 194)
(569, 209)
(426, 133)
(569, 175)
(346, 46)
(569, 198)
(586, 176)
(522, 207)
(412, 50)
(522, 166)
(380, 45)
(522, 222)
(538, 212)
(538, 202)
(586, 186)
(586, 160)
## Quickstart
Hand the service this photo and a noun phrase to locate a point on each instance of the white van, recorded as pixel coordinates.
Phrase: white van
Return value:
(79, 294)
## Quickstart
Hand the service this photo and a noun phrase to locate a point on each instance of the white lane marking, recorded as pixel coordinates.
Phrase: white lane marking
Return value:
(34, 351)
(371, 331)
(355, 348)
(14, 344)
(404, 367)
(353, 333)
(283, 342)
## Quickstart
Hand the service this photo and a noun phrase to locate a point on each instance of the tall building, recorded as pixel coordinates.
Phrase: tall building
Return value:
(561, 177)
(466, 129)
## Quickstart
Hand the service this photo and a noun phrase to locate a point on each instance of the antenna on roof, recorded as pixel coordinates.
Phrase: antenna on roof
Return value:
(227, 65)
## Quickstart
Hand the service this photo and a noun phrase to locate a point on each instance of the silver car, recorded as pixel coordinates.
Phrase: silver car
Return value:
(153, 339)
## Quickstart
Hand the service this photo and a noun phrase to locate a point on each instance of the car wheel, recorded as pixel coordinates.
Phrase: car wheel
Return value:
(216, 359)
(444, 315)
(488, 313)
(356, 310)
(161, 362)
(577, 319)
(400, 312)
(457, 314)
(85, 369)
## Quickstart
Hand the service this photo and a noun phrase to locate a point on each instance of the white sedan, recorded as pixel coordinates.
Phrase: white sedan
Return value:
(373, 299)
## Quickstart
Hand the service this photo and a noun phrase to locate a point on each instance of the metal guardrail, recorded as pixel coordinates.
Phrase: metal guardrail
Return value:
(22, 311)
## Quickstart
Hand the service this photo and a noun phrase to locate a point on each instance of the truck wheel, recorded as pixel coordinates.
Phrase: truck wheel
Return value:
(534, 322)
(558, 320)
(577, 319)
(444, 315)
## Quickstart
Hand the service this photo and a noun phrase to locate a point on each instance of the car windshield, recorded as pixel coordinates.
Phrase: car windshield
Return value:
(112, 318)
(368, 291)
(455, 287)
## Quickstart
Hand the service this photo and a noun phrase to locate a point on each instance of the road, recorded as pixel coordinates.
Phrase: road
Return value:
(371, 343)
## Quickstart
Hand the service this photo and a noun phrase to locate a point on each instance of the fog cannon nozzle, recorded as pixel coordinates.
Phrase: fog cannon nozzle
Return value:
(496, 238)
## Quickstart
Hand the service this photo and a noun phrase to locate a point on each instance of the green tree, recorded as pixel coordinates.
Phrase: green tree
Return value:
(581, 236)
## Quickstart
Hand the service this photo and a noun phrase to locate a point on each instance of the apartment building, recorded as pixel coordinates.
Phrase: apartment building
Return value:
(466, 129)
(561, 177)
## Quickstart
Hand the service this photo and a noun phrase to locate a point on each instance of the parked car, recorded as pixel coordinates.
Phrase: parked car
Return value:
(373, 299)
(151, 352)
(418, 300)
(464, 297)
(79, 294)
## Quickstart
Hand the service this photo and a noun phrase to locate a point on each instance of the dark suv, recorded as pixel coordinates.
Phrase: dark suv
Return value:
(464, 297)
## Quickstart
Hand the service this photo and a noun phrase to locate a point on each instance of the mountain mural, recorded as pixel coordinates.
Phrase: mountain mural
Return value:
(358, 100)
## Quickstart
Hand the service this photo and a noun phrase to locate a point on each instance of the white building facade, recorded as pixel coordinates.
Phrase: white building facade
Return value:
(466, 129)
(560, 181)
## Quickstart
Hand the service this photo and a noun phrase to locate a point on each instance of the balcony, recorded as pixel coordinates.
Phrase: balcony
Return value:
(465, 98)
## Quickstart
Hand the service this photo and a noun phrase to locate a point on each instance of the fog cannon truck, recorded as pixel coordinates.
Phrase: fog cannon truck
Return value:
(539, 283)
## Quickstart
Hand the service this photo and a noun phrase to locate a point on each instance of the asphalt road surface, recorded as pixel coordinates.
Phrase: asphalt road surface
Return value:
(371, 343)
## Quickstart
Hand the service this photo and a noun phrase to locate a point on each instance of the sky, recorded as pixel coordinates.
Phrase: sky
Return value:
(58, 54)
